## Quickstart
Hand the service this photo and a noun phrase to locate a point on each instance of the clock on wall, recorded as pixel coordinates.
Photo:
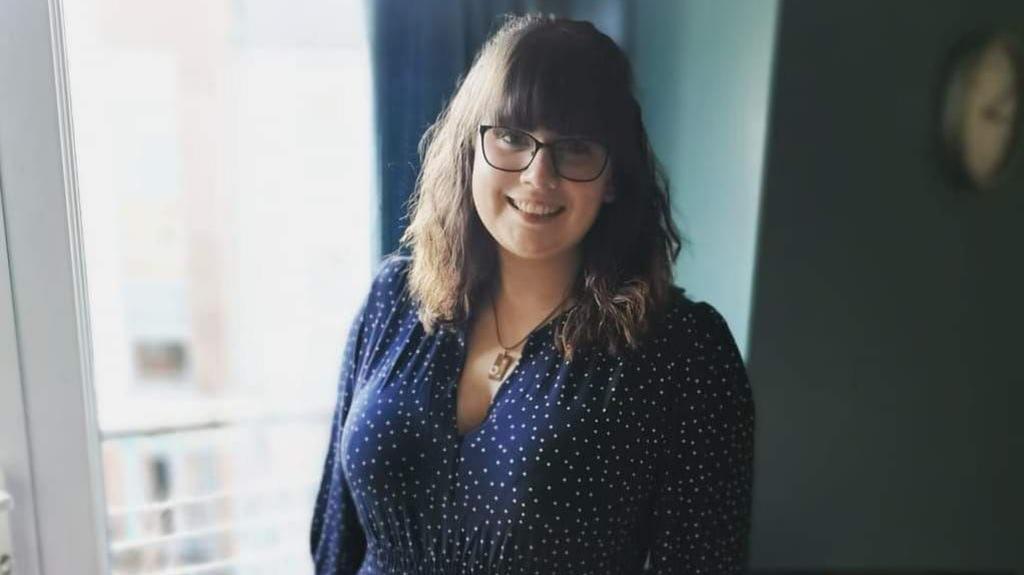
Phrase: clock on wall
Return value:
(981, 115)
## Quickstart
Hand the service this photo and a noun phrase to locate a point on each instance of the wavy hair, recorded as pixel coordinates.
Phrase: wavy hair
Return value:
(569, 77)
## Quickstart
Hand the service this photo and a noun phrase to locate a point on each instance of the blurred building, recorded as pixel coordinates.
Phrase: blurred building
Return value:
(225, 186)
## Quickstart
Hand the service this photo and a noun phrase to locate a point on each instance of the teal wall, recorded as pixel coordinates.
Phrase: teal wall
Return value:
(703, 72)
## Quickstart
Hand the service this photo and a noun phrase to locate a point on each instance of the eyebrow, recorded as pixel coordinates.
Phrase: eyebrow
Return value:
(557, 136)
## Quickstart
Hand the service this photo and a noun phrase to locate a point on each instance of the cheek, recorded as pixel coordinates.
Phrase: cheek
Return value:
(590, 202)
(489, 187)
(480, 187)
(488, 200)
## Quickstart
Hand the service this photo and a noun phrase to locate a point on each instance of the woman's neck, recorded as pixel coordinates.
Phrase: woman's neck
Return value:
(531, 288)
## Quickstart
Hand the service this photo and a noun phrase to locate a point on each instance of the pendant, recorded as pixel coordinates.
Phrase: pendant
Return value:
(500, 366)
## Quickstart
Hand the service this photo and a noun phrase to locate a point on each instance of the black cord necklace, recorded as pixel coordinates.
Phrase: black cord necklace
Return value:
(504, 359)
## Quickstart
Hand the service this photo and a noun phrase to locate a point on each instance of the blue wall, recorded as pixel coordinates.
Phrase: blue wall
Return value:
(703, 71)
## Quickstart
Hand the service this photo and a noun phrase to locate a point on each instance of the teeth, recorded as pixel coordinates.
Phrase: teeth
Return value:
(534, 207)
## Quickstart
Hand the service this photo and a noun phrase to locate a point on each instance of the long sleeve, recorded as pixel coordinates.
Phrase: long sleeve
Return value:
(705, 470)
(337, 540)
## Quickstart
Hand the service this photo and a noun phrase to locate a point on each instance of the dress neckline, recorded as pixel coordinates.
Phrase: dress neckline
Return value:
(461, 329)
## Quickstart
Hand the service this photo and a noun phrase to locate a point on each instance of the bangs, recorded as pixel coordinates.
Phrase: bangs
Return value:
(561, 81)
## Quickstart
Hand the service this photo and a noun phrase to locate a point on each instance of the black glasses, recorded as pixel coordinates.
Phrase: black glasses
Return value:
(512, 150)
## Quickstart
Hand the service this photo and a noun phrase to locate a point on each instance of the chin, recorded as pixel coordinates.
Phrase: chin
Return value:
(536, 252)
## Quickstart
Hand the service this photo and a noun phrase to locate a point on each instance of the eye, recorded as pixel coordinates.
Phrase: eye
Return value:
(511, 138)
(577, 147)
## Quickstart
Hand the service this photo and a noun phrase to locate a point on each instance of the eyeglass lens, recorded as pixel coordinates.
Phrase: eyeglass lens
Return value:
(574, 158)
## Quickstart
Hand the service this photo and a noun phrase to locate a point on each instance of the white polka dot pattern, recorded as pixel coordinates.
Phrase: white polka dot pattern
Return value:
(603, 465)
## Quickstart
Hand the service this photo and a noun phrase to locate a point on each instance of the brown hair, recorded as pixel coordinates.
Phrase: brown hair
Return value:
(569, 77)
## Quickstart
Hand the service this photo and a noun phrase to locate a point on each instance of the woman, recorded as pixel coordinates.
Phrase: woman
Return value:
(528, 392)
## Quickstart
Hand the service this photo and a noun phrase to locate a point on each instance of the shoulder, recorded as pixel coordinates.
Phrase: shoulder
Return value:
(686, 321)
(390, 280)
(698, 361)
(693, 338)
(383, 300)
(392, 272)
(694, 323)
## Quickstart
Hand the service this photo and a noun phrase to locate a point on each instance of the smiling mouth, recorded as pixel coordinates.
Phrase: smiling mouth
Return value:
(533, 209)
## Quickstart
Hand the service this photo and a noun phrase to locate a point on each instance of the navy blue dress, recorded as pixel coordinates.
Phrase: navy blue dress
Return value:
(601, 466)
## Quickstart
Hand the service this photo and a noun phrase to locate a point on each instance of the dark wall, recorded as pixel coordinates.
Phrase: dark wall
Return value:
(887, 331)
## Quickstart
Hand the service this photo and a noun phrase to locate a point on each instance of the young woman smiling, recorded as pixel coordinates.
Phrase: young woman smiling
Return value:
(528, 392)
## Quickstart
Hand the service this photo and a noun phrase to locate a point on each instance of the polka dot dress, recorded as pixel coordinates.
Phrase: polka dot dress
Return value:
(602, 465)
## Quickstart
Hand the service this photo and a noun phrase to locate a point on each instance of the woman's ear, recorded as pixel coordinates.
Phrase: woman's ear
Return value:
(609, 195)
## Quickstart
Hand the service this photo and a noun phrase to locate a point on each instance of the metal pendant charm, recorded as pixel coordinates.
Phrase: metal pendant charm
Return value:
(500, 366)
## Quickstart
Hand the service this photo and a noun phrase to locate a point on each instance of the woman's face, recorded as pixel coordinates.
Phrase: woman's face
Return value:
(501, 198)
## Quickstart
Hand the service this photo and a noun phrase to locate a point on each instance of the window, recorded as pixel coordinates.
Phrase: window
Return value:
(224, 181)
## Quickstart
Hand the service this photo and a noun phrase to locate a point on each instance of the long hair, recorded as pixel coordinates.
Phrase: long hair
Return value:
(569, 77)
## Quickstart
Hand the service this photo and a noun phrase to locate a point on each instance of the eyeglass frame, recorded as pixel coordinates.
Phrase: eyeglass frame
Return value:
(537, 145)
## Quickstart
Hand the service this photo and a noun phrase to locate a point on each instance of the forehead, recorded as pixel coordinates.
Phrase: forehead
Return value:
(566, 79)
(546, 116)
(544, 133)
(547, 103)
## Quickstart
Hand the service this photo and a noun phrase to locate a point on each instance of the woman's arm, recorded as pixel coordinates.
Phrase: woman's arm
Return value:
(705, 471)
(337, 541)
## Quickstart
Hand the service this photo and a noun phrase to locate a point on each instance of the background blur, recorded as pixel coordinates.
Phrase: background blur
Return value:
(243, 165)
(224, 163)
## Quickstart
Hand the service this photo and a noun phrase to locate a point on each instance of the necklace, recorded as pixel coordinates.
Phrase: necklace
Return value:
(504, 359)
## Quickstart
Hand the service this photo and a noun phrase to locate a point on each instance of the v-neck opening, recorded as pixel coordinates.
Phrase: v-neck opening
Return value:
(461, 332)
(502, 389)
(460, 438)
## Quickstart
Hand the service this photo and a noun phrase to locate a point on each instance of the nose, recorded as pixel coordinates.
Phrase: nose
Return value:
(541, 171)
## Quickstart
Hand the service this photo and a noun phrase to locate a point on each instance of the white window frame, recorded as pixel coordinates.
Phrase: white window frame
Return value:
(49, 448)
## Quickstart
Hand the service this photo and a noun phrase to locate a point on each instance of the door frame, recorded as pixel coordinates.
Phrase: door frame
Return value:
(49, 448)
